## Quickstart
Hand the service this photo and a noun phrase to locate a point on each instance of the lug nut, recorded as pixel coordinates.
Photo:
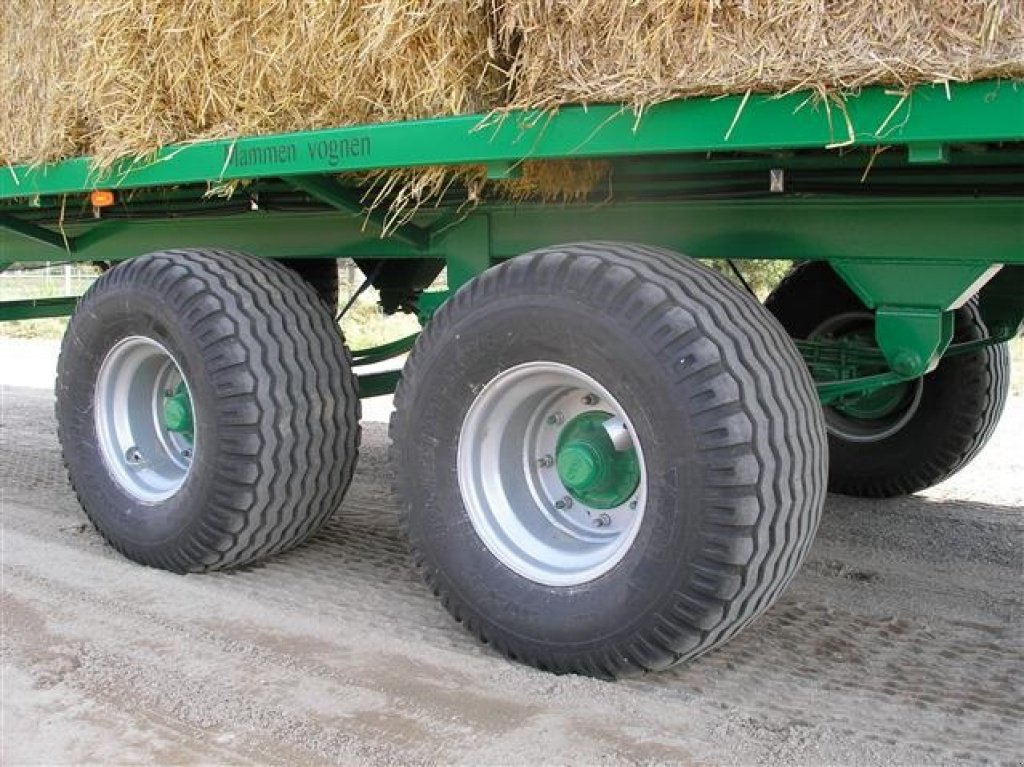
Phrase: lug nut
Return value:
(186, 453)
(133, 456)
(555, 419)
(590, 400)
(563, 503)
(546, 462)
(632, 504)
(603, 521)
(168, 392)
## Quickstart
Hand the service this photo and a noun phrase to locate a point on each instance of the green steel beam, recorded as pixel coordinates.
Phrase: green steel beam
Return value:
(324, 234)
(37, 308)
(330, 192)
(972, 169)
(371, 356)
(985, 111)
(378, 384)
(48, 237)
(905, 233)
(899, 231)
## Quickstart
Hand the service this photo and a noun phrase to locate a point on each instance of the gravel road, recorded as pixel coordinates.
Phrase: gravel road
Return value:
(899, 642)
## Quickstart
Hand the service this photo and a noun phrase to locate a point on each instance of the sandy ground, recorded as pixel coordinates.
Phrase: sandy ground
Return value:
(899, 642)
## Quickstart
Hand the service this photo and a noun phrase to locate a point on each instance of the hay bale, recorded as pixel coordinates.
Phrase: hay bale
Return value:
(645, 51)
(39, 120)
(139, 74)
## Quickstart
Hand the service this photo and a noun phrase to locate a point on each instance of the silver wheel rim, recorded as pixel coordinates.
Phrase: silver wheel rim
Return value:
(516, 503)
(858, 430)
(144, 457)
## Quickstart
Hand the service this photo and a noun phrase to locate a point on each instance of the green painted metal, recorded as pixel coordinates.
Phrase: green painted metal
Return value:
(39, 234)
(592, 470)
(874, 117)
(329, 191)
(429, 302)
(972, 170)
(384, 352)
(874, 404)
(271, 235)
(905, 233)
(913, 324)
(831, 391)
(913, 339)
(928, 154)
(902, 282)
(848, 373)
(469, 249)
(37, 308)
(177, 412)
(378, 384)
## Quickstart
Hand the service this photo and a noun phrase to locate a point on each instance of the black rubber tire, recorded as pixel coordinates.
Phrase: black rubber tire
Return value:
(275, 401)
(321, 274)
(961, 400)
(730, 427)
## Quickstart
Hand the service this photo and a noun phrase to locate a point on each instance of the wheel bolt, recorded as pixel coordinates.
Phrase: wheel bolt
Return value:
(603, 521)
(563, 503)
(168, 392)
(590, 400)
(186, 453)
(133, 456)
(555, 419)
(546, 462)
(632, 504)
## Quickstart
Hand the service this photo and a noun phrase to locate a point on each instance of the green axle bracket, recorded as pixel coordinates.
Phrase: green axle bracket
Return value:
(913, 303)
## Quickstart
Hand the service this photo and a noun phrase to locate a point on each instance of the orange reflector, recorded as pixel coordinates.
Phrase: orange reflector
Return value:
(101, 198)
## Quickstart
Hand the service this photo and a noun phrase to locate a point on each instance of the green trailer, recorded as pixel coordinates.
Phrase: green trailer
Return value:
(610, 457)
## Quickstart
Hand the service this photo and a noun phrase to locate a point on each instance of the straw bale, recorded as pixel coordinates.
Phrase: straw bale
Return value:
(645, 51)
(39, 118)
(145, 73)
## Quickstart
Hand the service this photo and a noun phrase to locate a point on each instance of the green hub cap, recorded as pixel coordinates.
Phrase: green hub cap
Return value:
(177, 411)
(876, 404)
(592, 470)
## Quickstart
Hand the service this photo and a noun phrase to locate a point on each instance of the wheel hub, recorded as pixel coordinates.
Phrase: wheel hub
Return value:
(592, 470)
(177, 411)
(879, 414)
